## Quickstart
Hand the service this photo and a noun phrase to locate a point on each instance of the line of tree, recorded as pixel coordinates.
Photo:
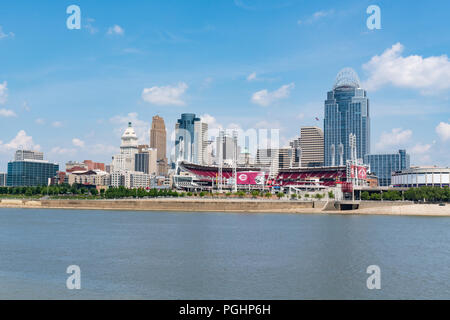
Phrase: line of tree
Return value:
(83, 191)
(426, 194)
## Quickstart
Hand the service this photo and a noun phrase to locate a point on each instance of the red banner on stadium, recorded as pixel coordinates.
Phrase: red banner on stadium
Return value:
(250, 178)
(361, 172)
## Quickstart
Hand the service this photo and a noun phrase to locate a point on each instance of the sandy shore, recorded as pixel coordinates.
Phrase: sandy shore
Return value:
(410, 210)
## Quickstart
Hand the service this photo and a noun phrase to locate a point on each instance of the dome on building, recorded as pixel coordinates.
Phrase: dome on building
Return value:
(347, 77)
(129, 137)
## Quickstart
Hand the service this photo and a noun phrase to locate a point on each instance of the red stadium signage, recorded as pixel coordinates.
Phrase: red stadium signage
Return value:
(250, 178)
(359, 171)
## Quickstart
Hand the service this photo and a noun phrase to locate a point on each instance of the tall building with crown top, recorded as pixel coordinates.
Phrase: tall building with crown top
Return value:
(125, 161)
(158, 141)
(346, 112)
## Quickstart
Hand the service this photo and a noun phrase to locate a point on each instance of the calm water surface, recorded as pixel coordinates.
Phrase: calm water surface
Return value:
(159, 255)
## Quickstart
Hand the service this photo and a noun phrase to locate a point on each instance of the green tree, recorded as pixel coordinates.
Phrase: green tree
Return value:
(365, 195)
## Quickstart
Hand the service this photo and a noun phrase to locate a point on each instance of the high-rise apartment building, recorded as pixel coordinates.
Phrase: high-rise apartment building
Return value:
(383, 165)
(311, 146)
(3, 179)
(346, 112)
(228, 146)
(297, 152)
(200, 148)
(158, 141)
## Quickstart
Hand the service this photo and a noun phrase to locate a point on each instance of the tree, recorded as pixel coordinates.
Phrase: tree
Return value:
(331, 195)
(280, 195)
(94, 192)
(293, 196)
(365, 195)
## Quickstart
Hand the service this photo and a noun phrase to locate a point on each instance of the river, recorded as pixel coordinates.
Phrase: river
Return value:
(162, 255)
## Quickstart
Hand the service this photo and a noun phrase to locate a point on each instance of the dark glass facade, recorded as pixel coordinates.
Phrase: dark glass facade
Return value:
(141, 162)
(184, 136)
(30, 173)
(383, 165)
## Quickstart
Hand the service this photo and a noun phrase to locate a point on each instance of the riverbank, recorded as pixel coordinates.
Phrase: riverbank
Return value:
(235, 205)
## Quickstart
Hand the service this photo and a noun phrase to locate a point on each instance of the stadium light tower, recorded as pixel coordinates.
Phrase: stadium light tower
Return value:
(220, 153)
(235, 155)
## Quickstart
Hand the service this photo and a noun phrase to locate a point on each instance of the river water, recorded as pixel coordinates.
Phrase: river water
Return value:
(161, 255)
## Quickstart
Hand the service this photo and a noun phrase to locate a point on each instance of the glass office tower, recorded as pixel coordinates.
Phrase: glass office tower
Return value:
(184, 137)
(346, 112)
(25, 173)
(383, 165)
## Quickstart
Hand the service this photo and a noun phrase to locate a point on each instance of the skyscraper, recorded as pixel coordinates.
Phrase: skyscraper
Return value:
(346, 112)
(200, 149)
(158, 141)
(191, 139)
(311, 145)
(125, 161)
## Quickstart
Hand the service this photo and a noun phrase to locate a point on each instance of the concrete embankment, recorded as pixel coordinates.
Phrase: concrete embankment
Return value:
(238, 205)
(203, 205)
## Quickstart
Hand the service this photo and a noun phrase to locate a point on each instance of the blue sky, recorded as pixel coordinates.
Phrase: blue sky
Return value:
(237, 63)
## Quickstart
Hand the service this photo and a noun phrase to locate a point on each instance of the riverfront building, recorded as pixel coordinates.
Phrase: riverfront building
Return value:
(30, 172)
(346, 112)
(421, 176)
(383, 165)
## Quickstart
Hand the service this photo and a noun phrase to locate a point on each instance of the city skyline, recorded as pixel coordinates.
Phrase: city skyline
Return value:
(68, 97)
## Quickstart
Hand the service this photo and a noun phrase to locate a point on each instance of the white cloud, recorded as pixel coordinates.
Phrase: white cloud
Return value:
(4, 35)
(57, 124)
(142, 128)
(420, 148)
(78, 143)
(210, 120)
(3, 92)
(265, 98)
(443, 130)
(39, 121)
(397, 137)
(316, 16)
(167, 95)
(21, 140)
(251, 76)
(116, 30)
(90, 27)
(7, 113)
(63, 151)
(428, 75)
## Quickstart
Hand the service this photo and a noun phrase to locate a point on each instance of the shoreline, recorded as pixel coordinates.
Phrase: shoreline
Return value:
(235, 206)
